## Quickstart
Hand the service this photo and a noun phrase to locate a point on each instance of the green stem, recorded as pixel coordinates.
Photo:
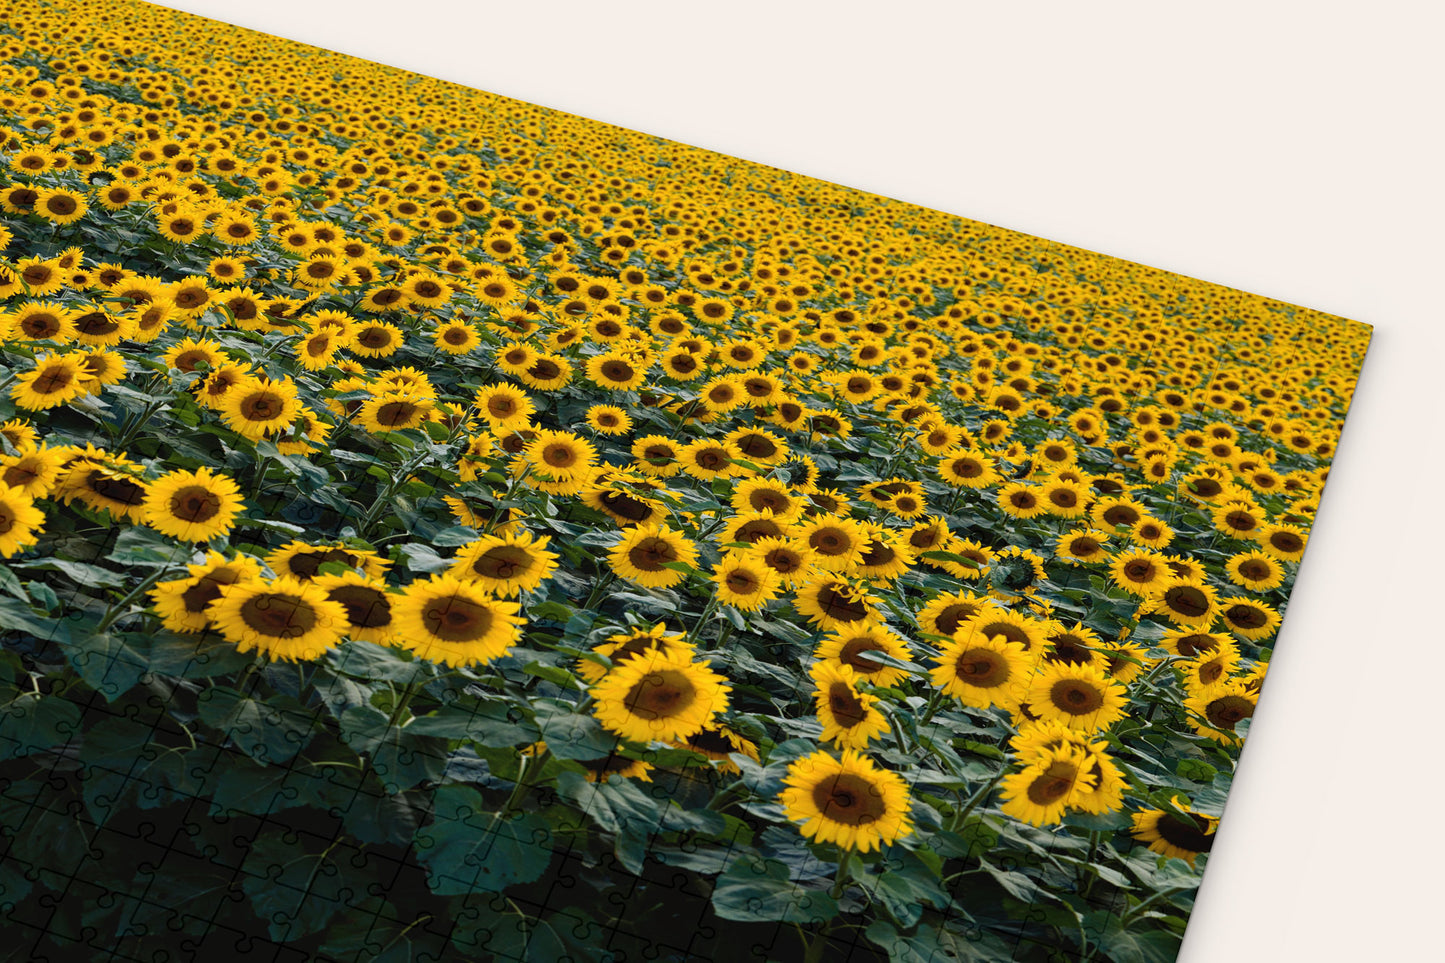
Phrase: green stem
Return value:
(956, 822)
(707, 613)
(407, 694)
(819, 943)
(118, 609)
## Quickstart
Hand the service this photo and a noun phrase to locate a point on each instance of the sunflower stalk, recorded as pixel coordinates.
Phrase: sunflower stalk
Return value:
(119, 608)
(956, 823)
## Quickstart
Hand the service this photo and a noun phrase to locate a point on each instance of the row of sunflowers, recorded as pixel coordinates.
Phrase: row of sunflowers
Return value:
(486, 530)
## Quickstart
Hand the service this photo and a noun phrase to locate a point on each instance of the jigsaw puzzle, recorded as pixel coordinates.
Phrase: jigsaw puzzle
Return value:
(436, 527)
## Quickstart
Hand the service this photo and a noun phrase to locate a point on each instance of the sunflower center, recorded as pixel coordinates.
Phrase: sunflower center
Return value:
(1009, 631)
(1083, 546)
(1192, 645)
(375, 337)
(742, 583)
(207, 589)
(195, 503)
(115, 489)
(1247, 616)
(1075, 697)
(983, 668)
(1064, 498)
(1070, 649)
(1121, 515)
(845, 705)
(366, 608)
(617, 371)
(395, 413)
(1286, 541)
(278, 615)
(1188, 601)
(500, 406)
(1255, 570)
(559, 456)
(849, 799)
(1225, 711)
(1191, 836)
(1054, 783)
(51, 380)
(307, 564)
(457, 619)
(262, 406)
(660, 695)
(651, 553)
(713, 459)
(840, 604)
(621, 503)
(503, 562)
(1139, 570)
(879, 553)
(953, 616)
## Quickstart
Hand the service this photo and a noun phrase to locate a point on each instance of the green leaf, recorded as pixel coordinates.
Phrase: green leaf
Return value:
(466, 848)
(139, 545)
(272, 731)
(374, 663)
(187, 656)
(757, 890)
(572, 735)
(400, 758)
(105, 662)
(30, 722)
(487, 722)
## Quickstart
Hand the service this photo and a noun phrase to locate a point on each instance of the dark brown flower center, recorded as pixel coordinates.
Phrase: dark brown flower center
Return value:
(849, 799)
(278, 615)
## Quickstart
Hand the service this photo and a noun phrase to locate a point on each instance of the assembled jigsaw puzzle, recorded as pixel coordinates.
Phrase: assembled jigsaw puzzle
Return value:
(436, 527)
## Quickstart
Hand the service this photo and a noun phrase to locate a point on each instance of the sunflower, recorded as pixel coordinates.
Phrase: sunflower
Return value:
(444, 619)
(609, 419)
(375, 339)
(623, 506)
(1081, 697)
(837, 543)
(1284, 542)
(791, 559)
(1217, 709)
(33, 470)
(20, 521)
(1077, 645)
(283, 618)
(1113, 512)
(505, 564)
(967, 469)
(55, 380)
(1083, 546)
(647, 552)
(60, 206)
(548, 373)
(256, 406)
(456, 337)
(1140, 572)
(848, 647)
(105, 482)
(1021, 500)
(506, 408)
(982, 671)
(833, 604)
(659, 695)
(1183, 835)
(1190, 643)
(615, 765)
(1255, 571)
(1047, 787)
(1251, 619)
(847, 801)
(759, 494)
(560, 456)
(615, 371)
(719, 743)
(884, 555)
(394, 411)
(945, 613)
(1238, 520)
(745, 582)
(627, 645)
(656, 455)
(193, 506)
(183, 605)
(41, 321)
(992, 620)
(1184, 601)
(710, 459)
(367, 602)
(302, 560)
(1125, 661)
(1064, 499)
(849, 717)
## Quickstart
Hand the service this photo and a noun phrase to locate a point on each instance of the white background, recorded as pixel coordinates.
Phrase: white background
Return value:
(1287, 149)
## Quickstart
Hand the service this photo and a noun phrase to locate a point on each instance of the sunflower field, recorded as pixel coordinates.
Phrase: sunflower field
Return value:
(433, 526)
